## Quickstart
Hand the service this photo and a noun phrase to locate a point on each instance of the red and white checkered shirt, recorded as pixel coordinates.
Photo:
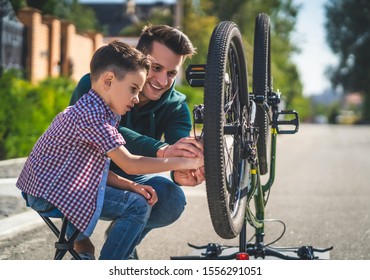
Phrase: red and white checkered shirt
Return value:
(66, 164)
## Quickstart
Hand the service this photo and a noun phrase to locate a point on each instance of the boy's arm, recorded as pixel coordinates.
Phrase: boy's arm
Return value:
(124, 184)
(133, 164)
(177, 126)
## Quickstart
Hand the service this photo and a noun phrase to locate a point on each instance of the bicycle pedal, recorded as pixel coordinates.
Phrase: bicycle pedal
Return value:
(213, 250)
(290, 122)
(306, 253)
(195, 74)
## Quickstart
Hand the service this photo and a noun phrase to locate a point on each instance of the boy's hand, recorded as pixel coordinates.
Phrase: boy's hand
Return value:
(148, 192)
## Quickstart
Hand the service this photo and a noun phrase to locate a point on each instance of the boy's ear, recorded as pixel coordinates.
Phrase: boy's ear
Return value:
(107, 79)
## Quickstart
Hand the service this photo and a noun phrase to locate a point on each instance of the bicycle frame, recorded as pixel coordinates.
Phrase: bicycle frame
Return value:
(257, 190)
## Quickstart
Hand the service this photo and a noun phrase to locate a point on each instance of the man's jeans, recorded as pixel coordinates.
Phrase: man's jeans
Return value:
(170, 205)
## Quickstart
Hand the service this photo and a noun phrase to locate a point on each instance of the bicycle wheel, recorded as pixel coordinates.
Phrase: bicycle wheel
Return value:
(225, 118)
(262, 85)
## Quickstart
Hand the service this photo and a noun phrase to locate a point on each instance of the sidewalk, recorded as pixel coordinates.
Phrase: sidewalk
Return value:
(11, 168)
(15, 217)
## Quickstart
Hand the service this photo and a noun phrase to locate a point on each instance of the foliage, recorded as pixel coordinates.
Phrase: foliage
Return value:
(199, 22)
(348, 35)
(330, 111)
(194, 96)
(199, 28)
(302, 106)
(157, 16)
(26, 111)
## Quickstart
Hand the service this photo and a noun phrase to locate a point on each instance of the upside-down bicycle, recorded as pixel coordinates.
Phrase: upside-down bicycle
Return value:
(238, 147)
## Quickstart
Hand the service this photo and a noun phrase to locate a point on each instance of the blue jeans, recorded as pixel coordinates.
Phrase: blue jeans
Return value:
(129, 211)
(170, 205)
(49, 210)
(131, 214)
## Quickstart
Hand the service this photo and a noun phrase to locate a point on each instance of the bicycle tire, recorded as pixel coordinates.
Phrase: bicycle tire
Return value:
(262, 85)
(225, 96)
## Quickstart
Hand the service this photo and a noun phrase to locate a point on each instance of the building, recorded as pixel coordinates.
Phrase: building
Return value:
(114, 17)
(45, 46)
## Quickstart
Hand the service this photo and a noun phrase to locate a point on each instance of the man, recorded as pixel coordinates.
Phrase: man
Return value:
(161, 112)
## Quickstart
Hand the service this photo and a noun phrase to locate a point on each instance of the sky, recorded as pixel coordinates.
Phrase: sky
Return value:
(315, 55)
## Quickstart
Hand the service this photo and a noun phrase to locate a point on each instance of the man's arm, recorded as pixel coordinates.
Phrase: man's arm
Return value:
(83, 86)
(178, 124)
(140, 144)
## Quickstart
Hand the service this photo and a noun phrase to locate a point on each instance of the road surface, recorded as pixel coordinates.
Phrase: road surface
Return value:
(321, 193)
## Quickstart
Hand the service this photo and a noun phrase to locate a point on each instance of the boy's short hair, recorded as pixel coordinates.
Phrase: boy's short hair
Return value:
(118, 57)
(171, 37)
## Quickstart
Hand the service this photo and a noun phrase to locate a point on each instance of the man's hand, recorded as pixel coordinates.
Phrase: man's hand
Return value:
(185, 147)
(189, 177)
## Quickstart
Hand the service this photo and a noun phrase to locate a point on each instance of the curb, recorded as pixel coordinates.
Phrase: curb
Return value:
(16, 223)
(11, 168)
(19, 223)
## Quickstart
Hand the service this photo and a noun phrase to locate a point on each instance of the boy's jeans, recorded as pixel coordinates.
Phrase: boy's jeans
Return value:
(130, 211)
(131, 214)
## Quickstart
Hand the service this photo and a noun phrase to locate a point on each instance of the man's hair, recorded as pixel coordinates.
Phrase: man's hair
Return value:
(171, 37)
(119, 58)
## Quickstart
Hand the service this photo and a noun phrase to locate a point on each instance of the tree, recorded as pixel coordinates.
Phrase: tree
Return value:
(283, 14)
(347, 32)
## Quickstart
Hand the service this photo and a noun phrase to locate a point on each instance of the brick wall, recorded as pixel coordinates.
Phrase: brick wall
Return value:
(54, 47)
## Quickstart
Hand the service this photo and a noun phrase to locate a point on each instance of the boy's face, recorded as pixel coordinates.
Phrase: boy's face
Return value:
(124, 94)
(165, 67)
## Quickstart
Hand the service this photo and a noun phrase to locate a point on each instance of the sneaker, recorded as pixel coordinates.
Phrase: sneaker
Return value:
(107, 231)
(133, 255)
(86, 256)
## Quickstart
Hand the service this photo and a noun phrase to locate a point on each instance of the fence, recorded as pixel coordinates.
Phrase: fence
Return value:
(44, 46)
(54, 47)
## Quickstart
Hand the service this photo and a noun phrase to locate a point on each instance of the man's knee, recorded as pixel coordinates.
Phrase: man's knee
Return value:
(139, 206)
(171, 203)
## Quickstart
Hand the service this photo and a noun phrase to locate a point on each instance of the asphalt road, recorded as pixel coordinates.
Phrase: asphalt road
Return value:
(321, 193)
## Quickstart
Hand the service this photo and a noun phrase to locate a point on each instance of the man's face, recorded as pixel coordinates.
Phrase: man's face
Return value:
(165, 67)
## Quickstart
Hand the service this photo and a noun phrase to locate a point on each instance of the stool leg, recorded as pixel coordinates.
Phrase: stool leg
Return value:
(63, 244)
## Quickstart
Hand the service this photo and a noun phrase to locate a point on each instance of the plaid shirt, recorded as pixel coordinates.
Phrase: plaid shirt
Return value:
(66, 164)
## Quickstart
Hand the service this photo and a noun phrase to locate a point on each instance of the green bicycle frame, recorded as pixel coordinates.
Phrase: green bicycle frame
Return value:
(257, 190)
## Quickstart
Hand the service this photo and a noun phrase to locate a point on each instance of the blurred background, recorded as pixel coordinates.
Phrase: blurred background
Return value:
(320, 54)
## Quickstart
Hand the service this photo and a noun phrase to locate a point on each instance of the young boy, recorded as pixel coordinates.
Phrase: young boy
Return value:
(68, 166)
